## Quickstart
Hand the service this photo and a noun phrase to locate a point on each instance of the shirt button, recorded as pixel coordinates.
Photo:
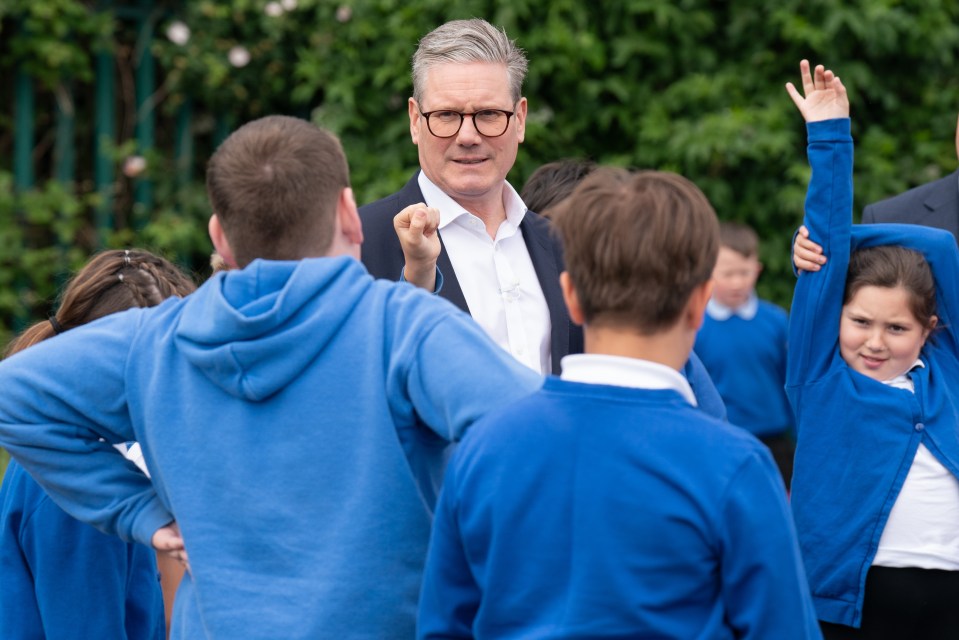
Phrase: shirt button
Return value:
(920, 426)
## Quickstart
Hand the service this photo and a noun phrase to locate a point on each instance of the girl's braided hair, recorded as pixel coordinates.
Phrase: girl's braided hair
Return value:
(111, 281)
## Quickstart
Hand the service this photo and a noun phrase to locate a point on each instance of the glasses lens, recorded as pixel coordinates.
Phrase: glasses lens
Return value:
(444, 124)
(491, 122)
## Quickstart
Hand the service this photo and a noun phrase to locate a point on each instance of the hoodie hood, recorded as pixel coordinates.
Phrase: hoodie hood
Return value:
(251, 332)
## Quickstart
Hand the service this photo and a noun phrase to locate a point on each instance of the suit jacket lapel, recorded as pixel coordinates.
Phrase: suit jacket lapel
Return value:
(451, 287)
(536, 235)
(942, 206)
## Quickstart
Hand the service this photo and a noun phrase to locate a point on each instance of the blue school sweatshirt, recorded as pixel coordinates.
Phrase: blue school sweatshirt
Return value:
(746, 359)
(707, 395)
(331, 399)
(63, 579)
(595, 511)
(856, 436)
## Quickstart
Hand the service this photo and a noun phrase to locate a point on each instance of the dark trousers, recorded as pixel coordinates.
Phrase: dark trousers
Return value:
(905, 604)
(783, 449)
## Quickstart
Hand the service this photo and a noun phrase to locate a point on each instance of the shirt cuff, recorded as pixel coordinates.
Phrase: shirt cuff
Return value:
(439, 279)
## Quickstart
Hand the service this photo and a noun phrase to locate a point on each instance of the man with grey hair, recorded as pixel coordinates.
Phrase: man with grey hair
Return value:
(498, 260)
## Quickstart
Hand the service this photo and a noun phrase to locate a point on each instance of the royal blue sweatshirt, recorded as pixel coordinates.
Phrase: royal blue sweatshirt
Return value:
(61, 579)
(856, 436)
(331, 399)
(595, 511)
(746, 359)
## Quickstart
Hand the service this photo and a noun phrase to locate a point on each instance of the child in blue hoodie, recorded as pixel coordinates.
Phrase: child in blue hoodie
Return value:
(59, 577)
(875, 491)
(332, 398)
(607, 505)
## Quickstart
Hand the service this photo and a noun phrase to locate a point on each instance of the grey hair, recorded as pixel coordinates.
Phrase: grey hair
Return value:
(473, 40)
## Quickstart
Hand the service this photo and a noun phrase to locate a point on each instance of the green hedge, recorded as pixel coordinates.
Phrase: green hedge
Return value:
(693, 86)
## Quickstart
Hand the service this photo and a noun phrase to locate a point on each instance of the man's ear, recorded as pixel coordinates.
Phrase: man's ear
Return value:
(520, 116)
(349, 217)
(696, 306)
(220, 243)
(571, 299)
(416, 120)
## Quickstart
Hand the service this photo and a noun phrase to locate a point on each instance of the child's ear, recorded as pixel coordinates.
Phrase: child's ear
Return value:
(349, 217)
(933, 322)
(696, 306)
(571, 298)
(220, 243)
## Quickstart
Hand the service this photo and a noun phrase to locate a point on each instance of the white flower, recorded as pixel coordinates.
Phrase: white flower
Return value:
(134, 166)
(238, 56)
(289, 5)
(344, 13)
(178, 33)
(273, 9)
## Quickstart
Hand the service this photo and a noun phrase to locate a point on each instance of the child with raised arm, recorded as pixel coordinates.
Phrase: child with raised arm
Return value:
(606, 505)
(874, 491)
(61, 578)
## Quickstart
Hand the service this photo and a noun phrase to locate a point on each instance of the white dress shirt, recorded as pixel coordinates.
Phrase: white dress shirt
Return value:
(496, 275)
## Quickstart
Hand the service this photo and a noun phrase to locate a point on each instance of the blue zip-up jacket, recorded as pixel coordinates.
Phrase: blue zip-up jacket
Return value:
(856, 436)
(331, 399)
(61, 579)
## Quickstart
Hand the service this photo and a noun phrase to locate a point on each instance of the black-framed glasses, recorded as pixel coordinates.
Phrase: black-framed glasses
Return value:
(444, 123)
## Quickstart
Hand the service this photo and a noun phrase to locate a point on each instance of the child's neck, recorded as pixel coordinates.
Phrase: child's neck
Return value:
(670, 347)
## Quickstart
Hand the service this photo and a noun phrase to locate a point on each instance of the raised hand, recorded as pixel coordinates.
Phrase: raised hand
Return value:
(825, 96)
(807, 255)
(416, 227)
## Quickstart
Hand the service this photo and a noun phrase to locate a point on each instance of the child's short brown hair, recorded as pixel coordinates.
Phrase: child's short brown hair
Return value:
(274, 184)
(637, 245)
(740, 238)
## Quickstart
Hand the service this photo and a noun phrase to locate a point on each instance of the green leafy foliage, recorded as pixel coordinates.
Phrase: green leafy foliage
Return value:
(693, 86)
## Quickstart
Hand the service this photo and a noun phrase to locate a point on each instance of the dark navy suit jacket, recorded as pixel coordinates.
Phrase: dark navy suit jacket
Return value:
(383, 258)
(935, 204)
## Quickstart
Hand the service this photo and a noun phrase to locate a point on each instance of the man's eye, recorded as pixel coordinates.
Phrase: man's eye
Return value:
(489, 115)
(446, 116)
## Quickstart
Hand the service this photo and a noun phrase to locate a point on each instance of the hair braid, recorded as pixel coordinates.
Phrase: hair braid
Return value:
(111, 281)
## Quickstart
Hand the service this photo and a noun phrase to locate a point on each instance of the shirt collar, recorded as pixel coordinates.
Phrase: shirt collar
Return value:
(594, 368)
(450, 210)
(904, 380)
(746, 311)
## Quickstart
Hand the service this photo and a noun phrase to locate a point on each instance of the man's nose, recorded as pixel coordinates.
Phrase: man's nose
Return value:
(468, 135)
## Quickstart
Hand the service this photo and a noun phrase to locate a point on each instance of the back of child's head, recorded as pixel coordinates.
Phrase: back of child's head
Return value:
(274, 185)
(111, 281)
(552, 183)
(740, 238)
(891, 267)
(637, 245)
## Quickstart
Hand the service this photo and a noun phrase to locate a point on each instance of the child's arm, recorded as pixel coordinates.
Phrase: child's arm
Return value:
(60, 397)
(817, 302)
(450, 596)
(764, 586)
